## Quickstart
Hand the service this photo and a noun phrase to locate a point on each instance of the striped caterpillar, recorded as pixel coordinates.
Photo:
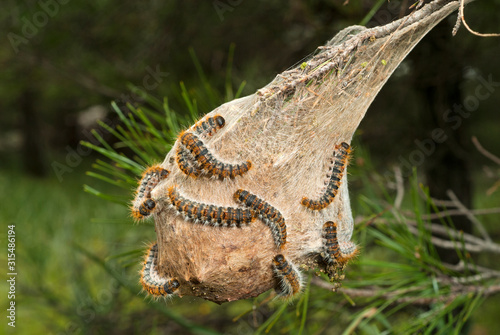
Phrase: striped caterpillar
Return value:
(270, 215)
(290, 277)
(143, 205)
(335, 252)
(184, 159)
(341, 155)
(210, 125)
(151, 281)
(186, 163)
(207, 162)
(211, 215)
(193, 157)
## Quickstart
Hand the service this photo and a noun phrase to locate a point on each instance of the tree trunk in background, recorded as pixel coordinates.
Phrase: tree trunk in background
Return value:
(438, 85)
(32, 151)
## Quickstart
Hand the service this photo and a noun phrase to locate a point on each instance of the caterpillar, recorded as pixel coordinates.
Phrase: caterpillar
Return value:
(348, 251)
(186, 164)
(143, 205)
(341, 155)
(211, 215)
(150, 178)
(290, 278)
(210, 125)
(185, 161)
(270, 215)
(145, 208)
(208, 162)
(151, 281)
(335, 252)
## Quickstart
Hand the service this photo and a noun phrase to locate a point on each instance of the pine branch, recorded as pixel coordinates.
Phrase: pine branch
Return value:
(402, 296)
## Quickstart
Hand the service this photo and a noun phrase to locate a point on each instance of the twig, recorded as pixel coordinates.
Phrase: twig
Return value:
(365, 292)
(461, 14)
(473, 243)
(475, 278)
(469, 215)
(455, 212)
(457, 290)
(460, 266)
(399, 187)
(439, 202)
(483, 273)
(449, 203)
(447, 244)
(451, 233)
(457, 26)
(461, 210)
(435, 228)
(485, 152)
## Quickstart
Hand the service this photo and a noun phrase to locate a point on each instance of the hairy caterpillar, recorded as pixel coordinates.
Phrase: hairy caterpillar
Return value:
(348, 251)
(145, 209)
(342, 153)
(210, 125)
(143, 205)
(208, 162)
(210, 214)
(184, 159)
(335, 252)
(290, 278)
(186, 164)
(270, 215)
(151, 280)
